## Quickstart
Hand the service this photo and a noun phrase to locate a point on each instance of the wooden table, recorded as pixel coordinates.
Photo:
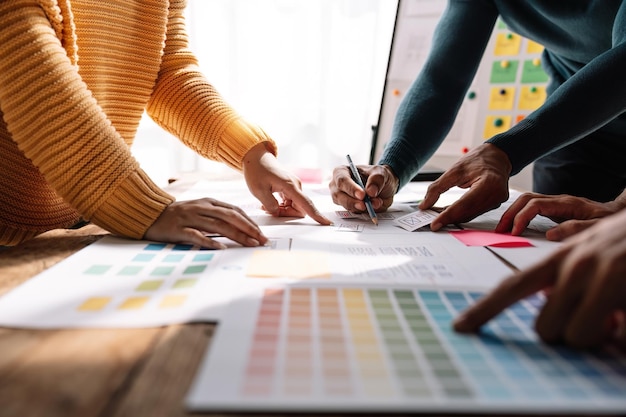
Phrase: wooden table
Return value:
(91, 372)
(82, 373)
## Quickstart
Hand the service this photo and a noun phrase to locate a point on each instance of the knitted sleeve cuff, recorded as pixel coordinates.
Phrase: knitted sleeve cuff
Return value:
(133, 207)
(238, 138)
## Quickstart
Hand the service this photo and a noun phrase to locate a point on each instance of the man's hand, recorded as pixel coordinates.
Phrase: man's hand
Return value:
(573, 213)
(381, 185)
(586, 285)
(485, 171)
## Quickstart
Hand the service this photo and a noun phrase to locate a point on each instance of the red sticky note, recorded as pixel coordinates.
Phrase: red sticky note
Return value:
(486, 238)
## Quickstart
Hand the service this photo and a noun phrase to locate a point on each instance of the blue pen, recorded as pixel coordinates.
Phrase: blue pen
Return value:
(357, 178)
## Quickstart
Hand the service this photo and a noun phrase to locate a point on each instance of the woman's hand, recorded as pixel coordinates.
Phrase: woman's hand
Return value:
(190, 221)
(265, 176)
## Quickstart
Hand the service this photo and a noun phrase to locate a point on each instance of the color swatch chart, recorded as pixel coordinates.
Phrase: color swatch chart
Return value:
(392, 349)
(125, 283)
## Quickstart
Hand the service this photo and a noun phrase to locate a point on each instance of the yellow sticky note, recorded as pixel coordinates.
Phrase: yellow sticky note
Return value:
(496, 124)
(531, 97)
(288, 264)
(507, 44)
(501, 98)
(533, 47)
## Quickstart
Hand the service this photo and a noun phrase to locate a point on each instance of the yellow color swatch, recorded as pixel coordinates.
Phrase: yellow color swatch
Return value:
(288, 264)
(172, 301)
(94, 304)
(150, 285)
(133, 303)
(185, 283)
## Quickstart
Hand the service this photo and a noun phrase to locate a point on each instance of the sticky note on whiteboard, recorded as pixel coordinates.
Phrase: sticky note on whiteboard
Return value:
(415, 220)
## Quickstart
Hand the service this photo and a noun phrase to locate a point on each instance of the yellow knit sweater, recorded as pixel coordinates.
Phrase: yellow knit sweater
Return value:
(75, 79)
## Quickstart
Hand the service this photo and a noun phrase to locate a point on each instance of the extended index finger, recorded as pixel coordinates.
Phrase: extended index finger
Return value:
(509, 291)
(477, 200)
(304, 203)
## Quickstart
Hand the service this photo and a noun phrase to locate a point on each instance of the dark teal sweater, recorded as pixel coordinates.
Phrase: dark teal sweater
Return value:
(585, 56)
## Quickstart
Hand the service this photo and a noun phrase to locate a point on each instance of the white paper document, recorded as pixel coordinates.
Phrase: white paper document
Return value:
(126, 283)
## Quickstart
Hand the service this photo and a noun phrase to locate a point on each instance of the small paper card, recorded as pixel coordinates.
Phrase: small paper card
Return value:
(345, 214)
(415, 220)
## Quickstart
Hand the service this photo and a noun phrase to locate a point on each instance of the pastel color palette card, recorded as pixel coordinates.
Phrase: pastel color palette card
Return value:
(126, 283)
(391, 349)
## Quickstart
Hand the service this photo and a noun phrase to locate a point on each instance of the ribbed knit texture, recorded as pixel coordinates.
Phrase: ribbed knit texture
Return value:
(75, 80)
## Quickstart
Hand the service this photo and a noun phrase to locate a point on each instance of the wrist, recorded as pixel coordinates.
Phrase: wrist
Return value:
(503, 162)
(392, 178)
(255, 154)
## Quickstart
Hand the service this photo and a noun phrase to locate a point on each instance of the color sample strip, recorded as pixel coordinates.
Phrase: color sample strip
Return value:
(298, 371)
(335, 362)
(373, 372)
(443, 368)
(261, 368)
(405, 364)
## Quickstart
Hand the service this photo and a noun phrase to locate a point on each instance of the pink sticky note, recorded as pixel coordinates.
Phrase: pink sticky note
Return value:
(486, 238)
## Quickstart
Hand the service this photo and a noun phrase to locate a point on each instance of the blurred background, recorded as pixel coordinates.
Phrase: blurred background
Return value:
(311, 73)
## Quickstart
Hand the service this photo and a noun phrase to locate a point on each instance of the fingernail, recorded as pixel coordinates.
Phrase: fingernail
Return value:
(435, 226)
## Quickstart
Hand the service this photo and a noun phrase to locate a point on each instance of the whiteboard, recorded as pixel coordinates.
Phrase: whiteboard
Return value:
(508, 85)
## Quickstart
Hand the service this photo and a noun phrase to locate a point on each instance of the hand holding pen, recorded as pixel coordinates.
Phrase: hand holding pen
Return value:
(357, 177)
(380, 181)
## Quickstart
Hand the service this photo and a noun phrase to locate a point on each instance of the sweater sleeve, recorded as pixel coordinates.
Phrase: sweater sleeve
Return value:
(429, 108)
(589, 100)
(57, 123)
(188, 106)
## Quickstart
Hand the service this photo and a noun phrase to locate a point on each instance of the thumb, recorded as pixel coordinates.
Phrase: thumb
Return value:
(268, 201)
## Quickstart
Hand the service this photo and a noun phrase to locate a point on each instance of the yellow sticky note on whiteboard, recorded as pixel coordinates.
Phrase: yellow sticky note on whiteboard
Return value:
(288, 264)
(507, 44)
